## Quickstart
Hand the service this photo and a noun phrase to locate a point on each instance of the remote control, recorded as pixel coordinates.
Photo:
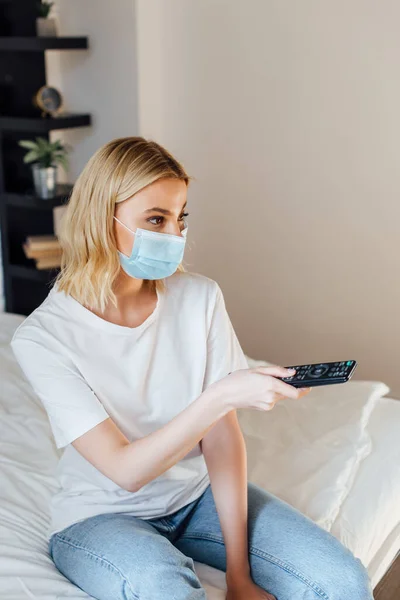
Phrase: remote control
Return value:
(321, 374)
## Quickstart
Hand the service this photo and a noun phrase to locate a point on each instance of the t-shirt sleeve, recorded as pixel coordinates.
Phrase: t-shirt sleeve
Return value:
(224, 353)
(70, 403)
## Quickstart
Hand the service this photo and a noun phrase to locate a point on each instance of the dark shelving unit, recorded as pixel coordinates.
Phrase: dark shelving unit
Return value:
(38, 44)
(22, 213)
(23, 272)
(43, 124)
(29, 200)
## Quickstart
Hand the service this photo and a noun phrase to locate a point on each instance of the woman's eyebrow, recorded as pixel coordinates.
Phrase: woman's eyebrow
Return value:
(164, 211)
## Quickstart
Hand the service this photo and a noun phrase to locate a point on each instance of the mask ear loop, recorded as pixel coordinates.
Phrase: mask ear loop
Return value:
(123, 225)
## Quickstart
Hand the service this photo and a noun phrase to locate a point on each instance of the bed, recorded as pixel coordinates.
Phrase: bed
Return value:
(341, 467)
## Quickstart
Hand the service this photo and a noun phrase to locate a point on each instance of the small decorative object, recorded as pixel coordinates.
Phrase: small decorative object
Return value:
(45, 27)
(45, 156)
(49, 100)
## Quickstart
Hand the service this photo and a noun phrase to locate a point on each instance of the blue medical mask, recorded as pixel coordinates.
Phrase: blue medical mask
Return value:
(154, 255)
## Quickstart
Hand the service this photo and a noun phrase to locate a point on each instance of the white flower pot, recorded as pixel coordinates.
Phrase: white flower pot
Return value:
(46, 27)
(45, 181)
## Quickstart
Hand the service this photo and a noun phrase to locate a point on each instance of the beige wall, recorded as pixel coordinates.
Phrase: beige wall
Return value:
(101, 80)
(288, 115)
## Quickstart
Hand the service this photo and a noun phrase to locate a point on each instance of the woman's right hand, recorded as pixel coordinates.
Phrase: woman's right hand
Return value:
(256, 388)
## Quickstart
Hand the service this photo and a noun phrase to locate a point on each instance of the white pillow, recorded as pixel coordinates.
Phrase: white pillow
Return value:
(308, 451)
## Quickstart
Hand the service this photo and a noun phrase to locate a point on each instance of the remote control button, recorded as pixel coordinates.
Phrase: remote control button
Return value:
(318, 371)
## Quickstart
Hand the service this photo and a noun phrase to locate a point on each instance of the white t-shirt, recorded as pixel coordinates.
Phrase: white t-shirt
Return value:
(86, 369)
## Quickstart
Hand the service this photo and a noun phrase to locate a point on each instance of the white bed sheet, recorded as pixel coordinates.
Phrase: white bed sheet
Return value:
(369, 518)
(27, 481)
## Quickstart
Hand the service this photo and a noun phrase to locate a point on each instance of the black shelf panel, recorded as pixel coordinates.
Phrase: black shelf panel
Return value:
(33, 202)
(22, 272)
(22, 213)
(39, 44)
(42, 125)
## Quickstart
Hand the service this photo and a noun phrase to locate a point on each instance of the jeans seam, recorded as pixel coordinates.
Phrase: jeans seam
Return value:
(101, 559)
(270, 558)
(290, 569)
(166, 524)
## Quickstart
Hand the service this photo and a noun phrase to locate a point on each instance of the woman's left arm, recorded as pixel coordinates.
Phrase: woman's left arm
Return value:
(224, 451)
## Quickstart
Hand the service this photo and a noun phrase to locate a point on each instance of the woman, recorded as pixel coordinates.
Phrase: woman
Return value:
(141, 373)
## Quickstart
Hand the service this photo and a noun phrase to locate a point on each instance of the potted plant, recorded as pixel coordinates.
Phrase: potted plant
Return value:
(45, 156)
(45, 27)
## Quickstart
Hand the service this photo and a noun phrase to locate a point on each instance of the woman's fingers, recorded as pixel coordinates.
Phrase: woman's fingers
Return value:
(269, 405)
(275, 371)
(285, 389)
(281, 387)
(304, 391)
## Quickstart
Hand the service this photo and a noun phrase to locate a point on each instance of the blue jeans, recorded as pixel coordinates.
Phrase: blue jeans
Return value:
(121, 557)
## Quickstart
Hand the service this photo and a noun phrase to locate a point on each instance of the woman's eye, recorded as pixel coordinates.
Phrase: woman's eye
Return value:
(151, 220)
(160, 220)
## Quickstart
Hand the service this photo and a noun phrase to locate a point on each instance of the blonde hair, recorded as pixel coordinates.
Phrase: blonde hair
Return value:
(118, 170)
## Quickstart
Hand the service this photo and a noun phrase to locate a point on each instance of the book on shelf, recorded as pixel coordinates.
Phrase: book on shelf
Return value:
(44, 249)
(41, 239)
(32, 253)
(48, 263)
(42, 242)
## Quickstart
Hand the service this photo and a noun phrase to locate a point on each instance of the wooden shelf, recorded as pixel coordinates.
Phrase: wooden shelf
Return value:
(40, 125)
(39, 44)
(33, 202)
(23, 272)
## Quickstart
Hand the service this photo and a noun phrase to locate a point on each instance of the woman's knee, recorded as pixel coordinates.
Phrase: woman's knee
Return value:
(339, 573)
(314, 553)
(167, 573)
(92, 573)
(180, 579)
(351, 580)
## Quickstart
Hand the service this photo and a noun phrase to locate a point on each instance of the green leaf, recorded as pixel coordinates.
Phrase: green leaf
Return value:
(31, 145)
(42, 143)
(31, 156)
(45, 152)
(63, 162)
(44, 8)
